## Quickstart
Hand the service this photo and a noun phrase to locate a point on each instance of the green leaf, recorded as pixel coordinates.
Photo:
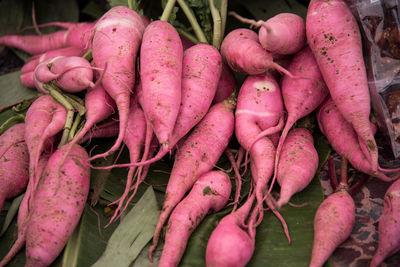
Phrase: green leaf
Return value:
(12, 90)
(114, 3)
(133, 233)
(12, 211)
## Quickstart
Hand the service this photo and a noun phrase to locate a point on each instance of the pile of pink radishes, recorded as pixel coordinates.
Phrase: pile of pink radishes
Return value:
(159, 93)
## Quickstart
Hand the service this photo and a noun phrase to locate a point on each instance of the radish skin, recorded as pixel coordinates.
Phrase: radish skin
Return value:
(161, 55)
(297, 165)
(44, 119)
(209, 194)
(243, 53)
(333, 223)
(14, 163)
(335, 39)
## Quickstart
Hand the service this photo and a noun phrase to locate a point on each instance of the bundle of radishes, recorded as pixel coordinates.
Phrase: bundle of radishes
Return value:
(183, 100)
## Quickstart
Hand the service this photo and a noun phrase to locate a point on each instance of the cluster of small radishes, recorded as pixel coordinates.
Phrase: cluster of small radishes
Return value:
(182, 97)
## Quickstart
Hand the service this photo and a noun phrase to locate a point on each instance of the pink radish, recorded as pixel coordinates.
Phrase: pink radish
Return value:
(334, 38)
(44, 119)
(115, 43)
(259, 108)
(14, 162)
(344, 139)
(161, 55)
(229, 244)
(333, 221)
(297, 165)
(243, 53)
(71, 74)
(57, 205)
(284, 34)
(76, 34)
(209, 194)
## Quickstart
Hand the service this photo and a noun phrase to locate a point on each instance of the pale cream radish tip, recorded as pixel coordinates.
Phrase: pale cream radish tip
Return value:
(264, 86)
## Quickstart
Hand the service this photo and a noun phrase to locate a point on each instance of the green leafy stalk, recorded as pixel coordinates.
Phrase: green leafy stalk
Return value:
(188, 35)
(77, 121)
(217, 25)
(168, 10)
(193, 21)
(70, 111)
(224, 14)
(17, 118)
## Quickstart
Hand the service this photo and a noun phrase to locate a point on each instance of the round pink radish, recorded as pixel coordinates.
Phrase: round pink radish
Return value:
(283, 34)
(229, 244)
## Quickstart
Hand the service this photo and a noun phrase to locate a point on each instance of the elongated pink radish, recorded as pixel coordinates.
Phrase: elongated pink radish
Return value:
(161, 55)
(44, 119)
(33, 61)
(201, 72)
(116, 40)
(226, 84)
(14, 162)
(259, 107)
(23, 215)
(99, 106)
(209, 194)
(388, 228)
(243, 53)
(195, 158)
(335, 39)
(230, 245)
(343, 138)
(333, 223)
(297, 165)
(301, 96)
(76, 34)
(57, 206)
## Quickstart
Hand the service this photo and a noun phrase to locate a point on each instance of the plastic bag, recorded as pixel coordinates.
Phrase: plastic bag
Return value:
(380, 25)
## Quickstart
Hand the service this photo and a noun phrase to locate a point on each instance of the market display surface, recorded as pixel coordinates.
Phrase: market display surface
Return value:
(189, 133)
